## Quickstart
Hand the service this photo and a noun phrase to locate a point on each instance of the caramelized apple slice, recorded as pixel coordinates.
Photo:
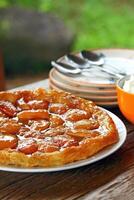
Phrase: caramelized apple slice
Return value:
(9, 126)
(55, 131)
(33, 114)
(22, 104)
(38, 104)
(88, 124)
(7, 108)
(33, 104)
(55, 121)
(65, 141)
(57, 108)
(8, 141)
(27, 146)
(83, 133)
(39, 125)
(76, 115)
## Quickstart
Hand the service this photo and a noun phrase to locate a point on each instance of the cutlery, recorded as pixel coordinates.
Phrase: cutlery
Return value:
(90, 58)
(99, 59)
(78, 61)
(71, 70)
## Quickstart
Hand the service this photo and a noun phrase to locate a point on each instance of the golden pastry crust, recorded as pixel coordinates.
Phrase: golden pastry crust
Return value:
(51, 128)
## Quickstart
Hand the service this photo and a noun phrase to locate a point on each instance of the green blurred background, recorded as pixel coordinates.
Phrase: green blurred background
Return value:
(95, 23)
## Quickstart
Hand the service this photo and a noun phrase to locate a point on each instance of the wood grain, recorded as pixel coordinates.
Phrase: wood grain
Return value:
(110, 178)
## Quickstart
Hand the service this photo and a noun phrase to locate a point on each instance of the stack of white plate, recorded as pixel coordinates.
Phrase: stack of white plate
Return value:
(101, 90)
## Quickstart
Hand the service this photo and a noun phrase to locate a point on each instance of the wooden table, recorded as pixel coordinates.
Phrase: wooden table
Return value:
(110, 178)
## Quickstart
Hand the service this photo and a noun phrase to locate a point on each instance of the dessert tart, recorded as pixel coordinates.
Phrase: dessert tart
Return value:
(42, 128)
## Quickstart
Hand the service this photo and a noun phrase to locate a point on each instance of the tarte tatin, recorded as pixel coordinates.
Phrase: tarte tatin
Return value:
(51, 128)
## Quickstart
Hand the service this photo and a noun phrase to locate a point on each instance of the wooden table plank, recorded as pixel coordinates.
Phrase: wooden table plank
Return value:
(73, 183)
(110, 178)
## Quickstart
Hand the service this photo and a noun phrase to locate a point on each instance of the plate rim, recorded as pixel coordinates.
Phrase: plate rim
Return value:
(76, 84)
(78, 88)
(77, 164)
(84, 94)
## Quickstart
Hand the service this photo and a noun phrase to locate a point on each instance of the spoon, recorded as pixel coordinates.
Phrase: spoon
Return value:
(89, 58)
(81, 63)
(70, 70)
(93, 58)
(65, 68)
(99, 59)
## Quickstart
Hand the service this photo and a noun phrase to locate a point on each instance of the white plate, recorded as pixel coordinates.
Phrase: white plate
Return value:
(102, 154)
(59, 80)
(85, 95)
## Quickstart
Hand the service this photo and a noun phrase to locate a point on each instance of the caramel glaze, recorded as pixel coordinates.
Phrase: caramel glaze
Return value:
(30, 124)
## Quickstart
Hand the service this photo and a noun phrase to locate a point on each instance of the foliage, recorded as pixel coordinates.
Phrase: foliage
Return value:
(96, 23)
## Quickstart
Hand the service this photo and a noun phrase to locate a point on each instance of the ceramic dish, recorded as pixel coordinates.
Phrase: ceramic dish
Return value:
(88, 95)
(126, 98)
(103, 91)
(61, 82)
(79, 81)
